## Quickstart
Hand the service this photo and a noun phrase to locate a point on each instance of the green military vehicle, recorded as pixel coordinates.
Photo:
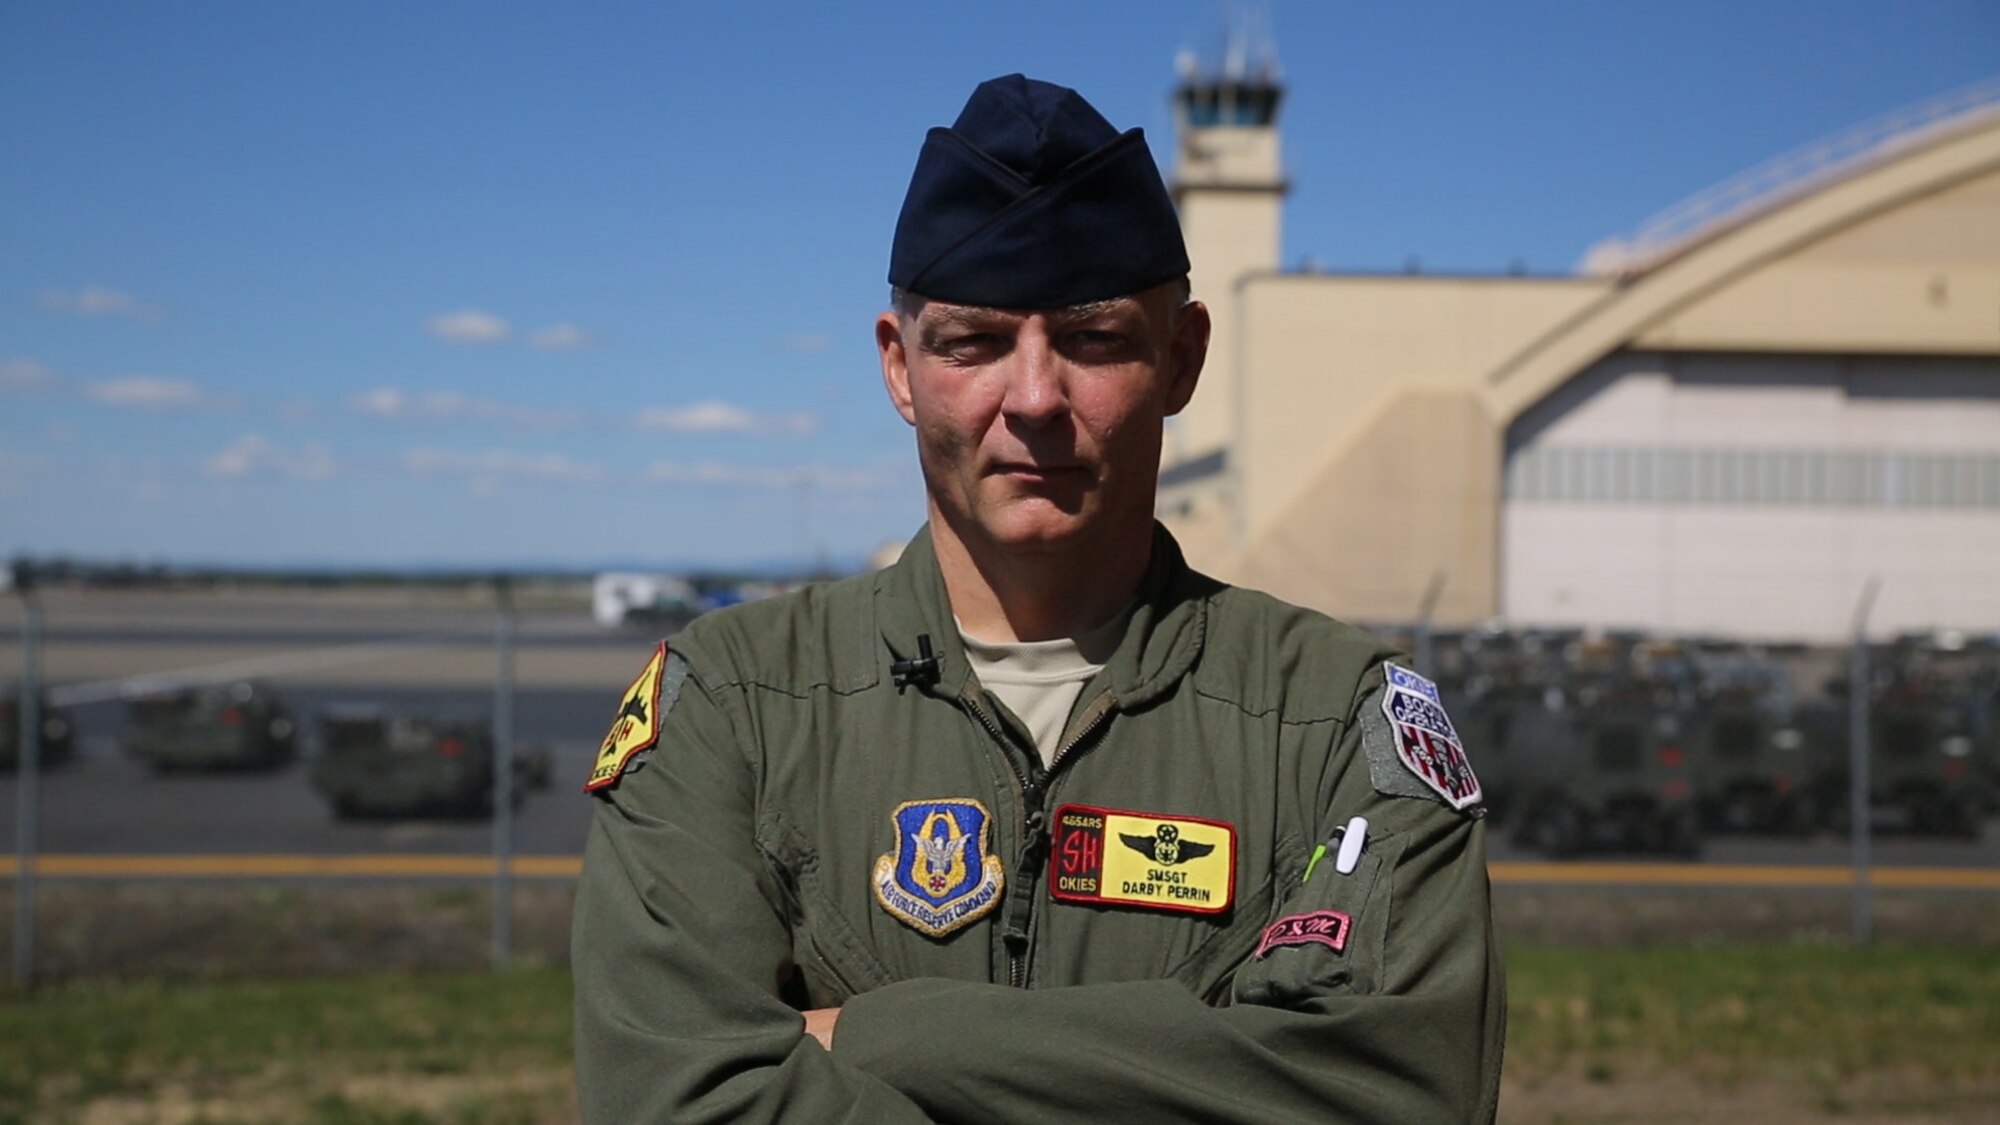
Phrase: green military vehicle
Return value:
(58, 736)
(1606, 772)
(1926, 769)
(1578, 743)
(1755, 771)
(1490, 679)
(375, 764)
(1489, 724)
(240, 725)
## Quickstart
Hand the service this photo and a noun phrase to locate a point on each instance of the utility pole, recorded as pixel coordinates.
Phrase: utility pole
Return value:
(1858, 678)
(503, 772)
(1426, 665)
(27, 792)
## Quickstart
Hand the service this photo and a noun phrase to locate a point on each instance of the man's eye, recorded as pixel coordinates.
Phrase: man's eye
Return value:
(1095, 342)
(971, 344)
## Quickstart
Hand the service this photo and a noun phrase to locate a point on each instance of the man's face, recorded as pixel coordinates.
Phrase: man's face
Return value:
(1040, 429)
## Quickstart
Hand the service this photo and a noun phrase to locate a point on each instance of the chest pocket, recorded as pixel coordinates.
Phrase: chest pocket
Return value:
(1328, 935)
(834, 962)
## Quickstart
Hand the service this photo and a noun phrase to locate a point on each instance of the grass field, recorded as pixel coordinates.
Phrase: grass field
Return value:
(1762, 1033)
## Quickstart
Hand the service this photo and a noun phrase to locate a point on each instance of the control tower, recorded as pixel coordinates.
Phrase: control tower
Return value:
(1229, 184)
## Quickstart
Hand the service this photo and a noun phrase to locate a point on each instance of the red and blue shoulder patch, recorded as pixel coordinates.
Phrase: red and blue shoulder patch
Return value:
(1413, 748)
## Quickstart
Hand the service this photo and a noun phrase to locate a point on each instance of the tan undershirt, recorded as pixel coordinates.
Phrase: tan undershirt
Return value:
(1040, 680)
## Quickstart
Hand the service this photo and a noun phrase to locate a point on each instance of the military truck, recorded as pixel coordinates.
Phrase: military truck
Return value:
(1924, 769)
(1756, 771)
(1603, 770)
(1488, 717)
(58, 736)
(1750, 754)
(242, 725)
(372, 763)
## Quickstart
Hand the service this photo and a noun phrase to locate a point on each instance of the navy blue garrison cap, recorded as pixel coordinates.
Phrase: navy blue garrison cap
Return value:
(1031, 200)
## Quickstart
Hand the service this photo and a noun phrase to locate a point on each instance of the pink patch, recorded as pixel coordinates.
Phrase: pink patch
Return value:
(1322, 927)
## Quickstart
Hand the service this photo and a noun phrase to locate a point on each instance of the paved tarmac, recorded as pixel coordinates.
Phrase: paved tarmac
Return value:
(429, 653)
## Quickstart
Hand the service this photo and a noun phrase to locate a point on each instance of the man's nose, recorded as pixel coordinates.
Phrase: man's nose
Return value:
(1036, 394)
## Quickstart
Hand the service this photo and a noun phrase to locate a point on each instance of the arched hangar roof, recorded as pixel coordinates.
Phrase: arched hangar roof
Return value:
(1796, 267)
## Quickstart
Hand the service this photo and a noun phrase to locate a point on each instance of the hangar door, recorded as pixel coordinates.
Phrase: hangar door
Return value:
(1754, 495)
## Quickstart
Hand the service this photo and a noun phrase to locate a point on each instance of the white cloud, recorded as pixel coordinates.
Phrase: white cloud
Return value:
(494, 465)
(468, 326)
(145, 392)
(562, 337)
(24, 375)
(722, 417)
(254, 455)
(717, 473)
(96, 300)
(393, 402)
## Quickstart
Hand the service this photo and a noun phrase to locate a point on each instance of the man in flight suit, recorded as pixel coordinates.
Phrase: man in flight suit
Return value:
(1037, 824)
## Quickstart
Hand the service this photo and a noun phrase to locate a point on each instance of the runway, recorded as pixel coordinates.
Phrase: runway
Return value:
(426, 652)
(1707, 876)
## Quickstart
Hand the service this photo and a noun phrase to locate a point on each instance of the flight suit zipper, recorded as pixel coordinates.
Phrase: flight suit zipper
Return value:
(1017, 917)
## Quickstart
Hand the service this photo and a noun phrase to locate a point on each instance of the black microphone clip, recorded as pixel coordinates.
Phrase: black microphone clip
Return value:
(924, 670)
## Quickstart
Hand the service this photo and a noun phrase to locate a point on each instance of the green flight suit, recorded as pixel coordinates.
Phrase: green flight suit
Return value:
(727, 883)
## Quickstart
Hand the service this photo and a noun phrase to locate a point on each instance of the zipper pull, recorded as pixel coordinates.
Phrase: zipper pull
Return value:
(1034, 846)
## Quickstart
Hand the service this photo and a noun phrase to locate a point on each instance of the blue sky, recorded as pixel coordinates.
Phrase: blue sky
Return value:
(478, 284)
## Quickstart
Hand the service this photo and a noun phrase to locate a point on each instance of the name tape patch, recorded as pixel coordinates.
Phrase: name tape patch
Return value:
(635, 728)
(1318, 927)
(1151, 860)
(1426, 742)
(941, 875)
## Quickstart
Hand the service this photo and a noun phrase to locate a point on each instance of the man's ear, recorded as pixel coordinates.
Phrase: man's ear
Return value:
(1188, 353)
(895, 363)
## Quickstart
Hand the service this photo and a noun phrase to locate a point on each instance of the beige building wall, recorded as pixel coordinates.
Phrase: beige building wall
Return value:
(1923, 278)
(1756, 494)
(1362, 418)
(1349, 346)
(1229, 188)
(1412, 497)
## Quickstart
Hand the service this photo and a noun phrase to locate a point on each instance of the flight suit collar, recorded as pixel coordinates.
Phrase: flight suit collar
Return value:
(1161, 644)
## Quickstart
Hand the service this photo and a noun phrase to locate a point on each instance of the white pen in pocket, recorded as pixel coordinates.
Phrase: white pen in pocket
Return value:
(1348, 842)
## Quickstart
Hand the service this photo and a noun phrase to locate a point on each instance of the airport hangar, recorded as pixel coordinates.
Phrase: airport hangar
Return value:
(1723, 426)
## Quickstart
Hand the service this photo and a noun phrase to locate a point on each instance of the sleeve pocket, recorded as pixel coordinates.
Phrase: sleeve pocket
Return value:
(1327, 935)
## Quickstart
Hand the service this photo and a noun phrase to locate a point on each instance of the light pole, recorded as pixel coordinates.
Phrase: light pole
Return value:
(1857, 765)
(1424, 655)
(503, 773)
(27, 792)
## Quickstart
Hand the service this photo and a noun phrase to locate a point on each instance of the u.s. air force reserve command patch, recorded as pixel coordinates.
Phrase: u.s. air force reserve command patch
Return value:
(1121, 858)
(1413, 750)
(640, 711)
(941, 875)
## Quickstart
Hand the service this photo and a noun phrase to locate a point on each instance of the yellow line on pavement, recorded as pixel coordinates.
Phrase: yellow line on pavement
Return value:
(569, 866)
(1741, 875)
(291, 866)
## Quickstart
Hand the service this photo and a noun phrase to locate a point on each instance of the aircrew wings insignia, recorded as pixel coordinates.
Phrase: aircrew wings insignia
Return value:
(1165, 846)
(636, 728)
